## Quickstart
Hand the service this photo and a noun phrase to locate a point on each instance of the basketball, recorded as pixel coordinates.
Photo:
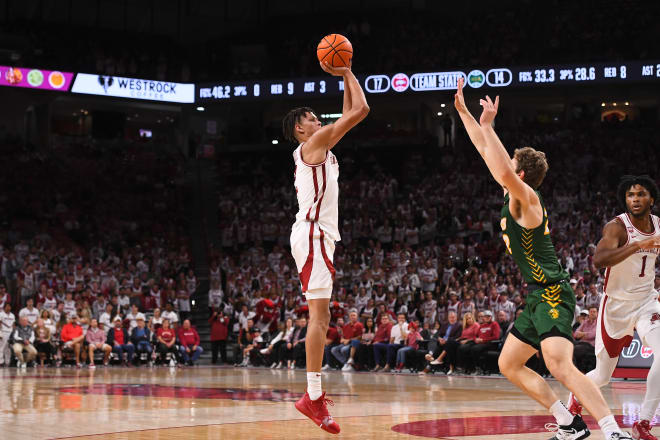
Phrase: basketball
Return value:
(336, 50)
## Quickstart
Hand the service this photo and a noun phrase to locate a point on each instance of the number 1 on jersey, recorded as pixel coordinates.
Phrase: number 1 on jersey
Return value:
(641, 275)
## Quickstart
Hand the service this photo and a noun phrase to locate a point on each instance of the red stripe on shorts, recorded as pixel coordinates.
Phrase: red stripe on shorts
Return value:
(306, 272)
(328, 263)
(613, 346)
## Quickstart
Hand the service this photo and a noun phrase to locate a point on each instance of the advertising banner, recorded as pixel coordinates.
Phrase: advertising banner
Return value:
(134, 88)
(35, 78)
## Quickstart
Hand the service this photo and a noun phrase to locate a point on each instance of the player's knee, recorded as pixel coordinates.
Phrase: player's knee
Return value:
(599, 378)
(559, 367)
(507, 366)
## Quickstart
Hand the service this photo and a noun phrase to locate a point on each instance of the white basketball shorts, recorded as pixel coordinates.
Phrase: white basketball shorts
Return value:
(313, 252)
(618, 319)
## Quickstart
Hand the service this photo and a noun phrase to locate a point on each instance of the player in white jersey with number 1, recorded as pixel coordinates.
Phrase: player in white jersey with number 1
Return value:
(316, 229)
(628, 249)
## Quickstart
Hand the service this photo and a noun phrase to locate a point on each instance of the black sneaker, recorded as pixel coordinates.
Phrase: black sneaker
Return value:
(577, 430)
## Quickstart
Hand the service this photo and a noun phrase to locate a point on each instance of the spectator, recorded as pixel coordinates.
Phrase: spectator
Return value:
(189, 339)
(246, 342)
(141, 337)
(503, 320)
(166, 338)
(30, 312)
(7, 325)
(219, 330)
(398, 336)
(43, 343)
(96, 340)
(298, 345)
(447, 344)
(350, 340)
(364, 355)
(72, 337)
(155, 321)
(106, 318)
(285, 328)
(23, 338)
(133, 317)
(120, 342)
(412, 338)
(216, 295)
(487, 339)
(585, 341)
(171, 315)
(467, 340)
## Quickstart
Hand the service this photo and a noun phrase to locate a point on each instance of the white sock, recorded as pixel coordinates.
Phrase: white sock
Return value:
(349, 361)
(652, 398)
(563, 416)
(608, 425)
(314, 385)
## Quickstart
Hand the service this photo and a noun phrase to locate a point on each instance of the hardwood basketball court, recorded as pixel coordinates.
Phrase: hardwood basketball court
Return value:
(257, 403)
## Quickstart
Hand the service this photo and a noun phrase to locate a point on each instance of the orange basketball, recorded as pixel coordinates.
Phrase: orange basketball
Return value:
(336, 50)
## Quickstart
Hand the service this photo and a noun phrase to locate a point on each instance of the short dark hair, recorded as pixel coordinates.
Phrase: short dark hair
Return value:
(628, 181)
(533, 163)
(291, 119)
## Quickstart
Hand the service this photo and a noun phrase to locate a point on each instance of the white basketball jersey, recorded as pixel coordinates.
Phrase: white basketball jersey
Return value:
(632, 279)
(317, 190)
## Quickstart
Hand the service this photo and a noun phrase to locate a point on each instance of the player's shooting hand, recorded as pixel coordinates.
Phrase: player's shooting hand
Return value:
(334, 71)
(459, 100)
(490, 110)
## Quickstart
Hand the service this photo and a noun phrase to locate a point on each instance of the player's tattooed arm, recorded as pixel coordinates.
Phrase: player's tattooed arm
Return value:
(612, 248)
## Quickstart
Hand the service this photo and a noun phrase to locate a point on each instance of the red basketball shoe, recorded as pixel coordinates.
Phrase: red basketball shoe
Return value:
(642, 431)
(574, 406)
(317, 411)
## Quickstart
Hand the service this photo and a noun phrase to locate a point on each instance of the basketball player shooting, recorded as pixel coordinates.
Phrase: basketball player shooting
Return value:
(628, 250)
(316, 229)
(548, 315)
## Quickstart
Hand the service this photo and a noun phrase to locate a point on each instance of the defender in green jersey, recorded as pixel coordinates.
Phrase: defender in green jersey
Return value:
(545, 323)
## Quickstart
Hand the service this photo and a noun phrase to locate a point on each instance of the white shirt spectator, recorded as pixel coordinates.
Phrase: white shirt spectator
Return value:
(69, 307)
(31, 314)
(7, 321)
(171, 316)
(396, 332)
(49, 303)
(215, 297)
(243, 319)
(507, 306)
(105, 320)
(133, 319)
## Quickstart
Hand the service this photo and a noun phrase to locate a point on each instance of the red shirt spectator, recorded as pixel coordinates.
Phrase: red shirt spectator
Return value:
(166, 334)
(383, 332)
(119, 335)
(471, 332)
(489, 331)
(333, 335)
(70, 331)
(188, 337)
(219, 323)
(336, 311)
(352, 330)
(413, 336)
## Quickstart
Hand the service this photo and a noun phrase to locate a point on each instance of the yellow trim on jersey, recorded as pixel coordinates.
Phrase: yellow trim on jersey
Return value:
(526, 240)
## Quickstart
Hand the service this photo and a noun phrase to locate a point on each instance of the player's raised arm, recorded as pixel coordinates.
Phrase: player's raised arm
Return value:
(498, 161)
(471, 125)
(612, 250)
(356, 109)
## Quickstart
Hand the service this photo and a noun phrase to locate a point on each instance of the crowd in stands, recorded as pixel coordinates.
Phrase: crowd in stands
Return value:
(422, 277)
(94, 256)
(385, 40)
